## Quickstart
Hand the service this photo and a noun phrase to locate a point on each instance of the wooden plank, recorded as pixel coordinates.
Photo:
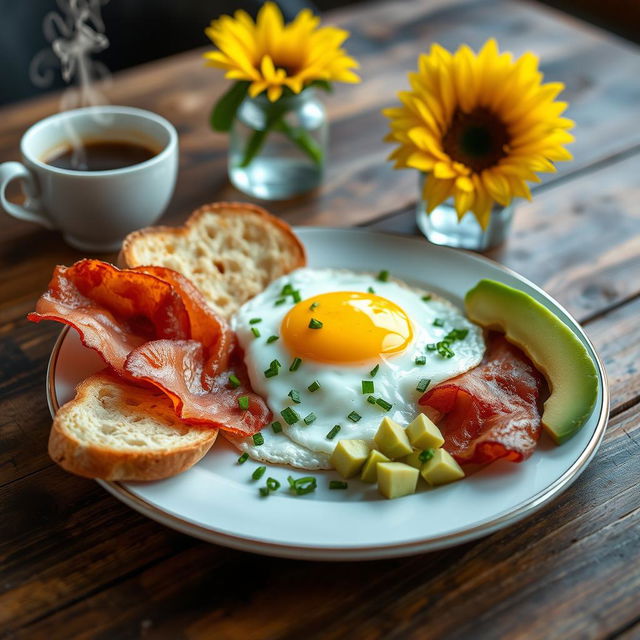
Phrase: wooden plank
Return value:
(108, 539)
(596, 224)
(579, 240)
(578, 549)
(599, 72)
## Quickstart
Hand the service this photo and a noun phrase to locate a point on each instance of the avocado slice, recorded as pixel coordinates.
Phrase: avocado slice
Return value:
(552, 347)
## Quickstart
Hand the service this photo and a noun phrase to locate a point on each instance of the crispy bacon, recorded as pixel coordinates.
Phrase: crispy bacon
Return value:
(492, 411)
(207, 327)
(175, 367)
(152, 326)
(113, 311)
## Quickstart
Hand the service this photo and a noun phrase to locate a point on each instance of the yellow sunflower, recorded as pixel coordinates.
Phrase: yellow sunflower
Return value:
(272, 55)
(480, 126)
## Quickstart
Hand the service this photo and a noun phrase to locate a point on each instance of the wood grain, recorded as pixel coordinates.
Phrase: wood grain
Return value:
(203, 591)
(76, 563)
(108, 536)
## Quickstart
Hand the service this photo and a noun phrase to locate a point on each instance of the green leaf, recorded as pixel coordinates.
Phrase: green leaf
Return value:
(224, 111)
(322, 84)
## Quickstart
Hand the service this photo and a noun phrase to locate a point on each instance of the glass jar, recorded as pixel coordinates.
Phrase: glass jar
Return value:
(442, 226)
(277, 149)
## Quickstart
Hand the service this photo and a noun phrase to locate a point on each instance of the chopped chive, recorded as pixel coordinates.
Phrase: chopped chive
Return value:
(255, 332)
(279, 301)
(271, 372)
(383, 276)
(367, 386)
(264, 491)
(272, 484)
(354, 417)
(443, 350)
(286, 290)
(255, 320)
(295, 396)
(337, 484)
(301, 486)
(314, 386)
(243, 458)
(384, 404)
(371, 290)
(296, 296)
(420, 360)
(276, 427)
(432, 346)
(295, 365)
(258, 473)
(334, 432)
(426, 298)
(371, 400)
(457, 334)
(310, 418)
(426, 455)
(275, 364)
(258, 439)
(315, 324)
(313, 306)
(290, 416)
(438, 322)
(373, 371)
(423, 384)
(271, 339)
(234, 381)
(243, 402)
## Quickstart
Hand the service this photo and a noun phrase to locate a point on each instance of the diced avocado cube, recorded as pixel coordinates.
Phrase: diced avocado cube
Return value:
(441, 469)
(392, 439)
(349, 456)
(369, 471)
(396, 479)
(413, 459)
(423, 434)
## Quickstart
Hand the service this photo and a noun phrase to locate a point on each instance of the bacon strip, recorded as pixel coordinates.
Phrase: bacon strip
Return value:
(175, 367)
(492, 411)
(152, 326)
(207, 327)
(113, 311)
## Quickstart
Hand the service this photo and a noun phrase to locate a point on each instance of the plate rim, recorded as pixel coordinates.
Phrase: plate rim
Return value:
(367, 552)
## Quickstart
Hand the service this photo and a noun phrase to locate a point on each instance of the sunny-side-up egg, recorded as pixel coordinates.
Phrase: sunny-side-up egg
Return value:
(331, 348)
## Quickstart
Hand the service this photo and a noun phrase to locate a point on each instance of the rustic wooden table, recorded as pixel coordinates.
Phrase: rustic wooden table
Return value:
(76, 563)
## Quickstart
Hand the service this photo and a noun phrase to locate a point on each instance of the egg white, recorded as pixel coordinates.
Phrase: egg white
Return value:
(340, 391)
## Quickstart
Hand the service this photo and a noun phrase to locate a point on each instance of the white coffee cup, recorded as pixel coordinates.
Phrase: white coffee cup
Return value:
(94, 210)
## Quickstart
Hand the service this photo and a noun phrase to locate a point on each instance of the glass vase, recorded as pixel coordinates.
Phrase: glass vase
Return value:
(277, 150)
(442, 226)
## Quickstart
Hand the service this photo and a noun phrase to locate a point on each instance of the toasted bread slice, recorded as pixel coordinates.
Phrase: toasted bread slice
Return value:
(230, 251)
(116, 431)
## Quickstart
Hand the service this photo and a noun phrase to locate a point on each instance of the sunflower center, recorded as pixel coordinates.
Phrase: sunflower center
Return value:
(478, 139)
(290, 70)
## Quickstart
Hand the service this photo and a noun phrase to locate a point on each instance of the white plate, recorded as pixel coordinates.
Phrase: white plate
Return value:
(217, 501)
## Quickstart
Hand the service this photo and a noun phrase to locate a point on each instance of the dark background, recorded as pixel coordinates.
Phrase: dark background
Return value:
(143, 30)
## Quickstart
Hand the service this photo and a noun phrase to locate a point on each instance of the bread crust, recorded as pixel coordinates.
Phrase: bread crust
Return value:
(126, 258)
(107, 463)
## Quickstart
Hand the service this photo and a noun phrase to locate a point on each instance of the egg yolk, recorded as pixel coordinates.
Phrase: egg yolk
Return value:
(355, 328)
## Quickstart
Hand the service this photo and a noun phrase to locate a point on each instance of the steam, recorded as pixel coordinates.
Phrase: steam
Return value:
(76, 32)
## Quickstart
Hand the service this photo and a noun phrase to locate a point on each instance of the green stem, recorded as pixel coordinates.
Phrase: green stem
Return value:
(299, 136)
(302, 139)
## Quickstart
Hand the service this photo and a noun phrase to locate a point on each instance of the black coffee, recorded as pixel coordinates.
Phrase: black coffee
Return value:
(101, 155)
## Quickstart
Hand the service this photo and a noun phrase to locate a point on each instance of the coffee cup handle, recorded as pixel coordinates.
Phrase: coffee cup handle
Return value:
(32, 209)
